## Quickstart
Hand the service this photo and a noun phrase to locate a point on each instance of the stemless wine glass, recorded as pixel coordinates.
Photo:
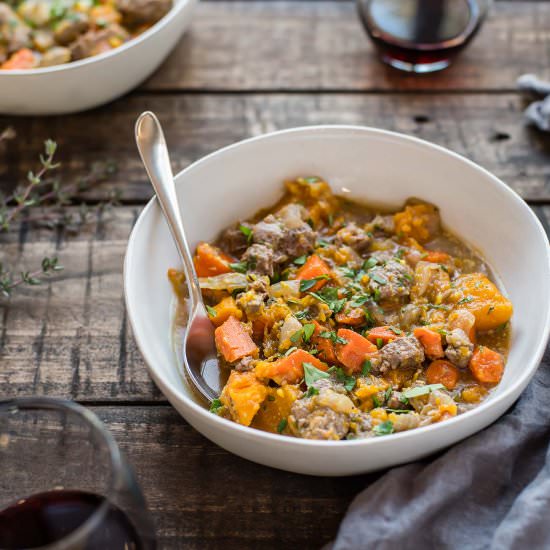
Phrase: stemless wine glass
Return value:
(63, 482)
(421, 36)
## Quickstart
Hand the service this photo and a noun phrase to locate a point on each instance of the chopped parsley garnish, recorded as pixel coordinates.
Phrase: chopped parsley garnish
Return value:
(312, 374)
(398, 411)
(376, 295)
(348, 272)
(466, 300)
(240, 267)
(375, 401)
(387, 394)
(333, 337)
(312, 179)
(330, 220)
(386, 428)
(366, 368)
(341, 376)
(359, 299)
(322, 243)
(379, 343)
(329, 296)
(378, 279)
(306, 284)
(211, 311)
(301, 314)
(396, 330)
(247, 232)
(422, 390)
(271, 398)
(308, 330)
(216, 406)
(297, 336)
(400, 253)
(370, 263)
(311, 391)
(490, 310)
(301, 260)
(282, 425)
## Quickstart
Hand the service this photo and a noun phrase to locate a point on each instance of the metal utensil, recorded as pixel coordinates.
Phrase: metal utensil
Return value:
(200, 358)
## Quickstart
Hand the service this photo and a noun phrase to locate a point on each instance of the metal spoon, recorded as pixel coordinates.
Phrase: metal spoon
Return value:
(199, 358)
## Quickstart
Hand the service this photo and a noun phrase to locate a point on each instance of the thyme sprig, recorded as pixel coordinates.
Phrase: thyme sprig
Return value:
(27, 203)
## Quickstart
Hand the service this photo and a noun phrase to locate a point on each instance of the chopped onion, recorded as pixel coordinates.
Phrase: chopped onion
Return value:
(226, 281)
(285, 289)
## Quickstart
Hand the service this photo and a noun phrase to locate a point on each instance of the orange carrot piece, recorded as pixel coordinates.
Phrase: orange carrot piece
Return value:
(381, 333)
(442, 372)
(210, 260)
(314, 267)
(353, 354)
(21, 59)
(289, 369)
(487, 365)
(233, 341)
(324, 345)
(436, 257)
(353, 317)
(431, 342)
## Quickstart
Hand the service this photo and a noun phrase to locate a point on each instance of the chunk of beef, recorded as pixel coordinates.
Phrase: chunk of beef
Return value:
(322, 416)
(298, 241)
(259, 258)
(233, 241)
(138, 12)
(360, 426)
(69, 29)
(14, 32)
(402, 353)
(383, 224)
(459, 348)
(354, 236)
(395, 402)
(269, 231)
(391, 278)
(245, 364)
(95, 42)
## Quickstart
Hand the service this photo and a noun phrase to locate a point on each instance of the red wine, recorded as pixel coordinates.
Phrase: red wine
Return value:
(420, 35)
(48, 517)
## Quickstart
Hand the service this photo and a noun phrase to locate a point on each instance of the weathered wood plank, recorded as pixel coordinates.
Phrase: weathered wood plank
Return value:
(203, 497)
(71, 337)
(487, 128)
(322, 46)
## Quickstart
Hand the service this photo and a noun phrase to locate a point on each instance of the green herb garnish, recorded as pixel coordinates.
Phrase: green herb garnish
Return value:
(216, 406)
(333, 337)
(312, 374)
(466, 300)
(379, 343)
(306, 284)
(377, 278)
(247, 232)
(386, 428)
(348, 381)
(366, 368)
(211, 311)
(311, 391)
(370, 263)
(307, 331)
(282, 425)
(240, 267)
(301, 260)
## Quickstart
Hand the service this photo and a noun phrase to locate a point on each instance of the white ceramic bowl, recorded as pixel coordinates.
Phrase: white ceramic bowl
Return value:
(368, 164)
(95, 80)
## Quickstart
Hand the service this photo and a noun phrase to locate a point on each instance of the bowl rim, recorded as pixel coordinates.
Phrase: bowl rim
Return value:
(74, 65)
(247, 432)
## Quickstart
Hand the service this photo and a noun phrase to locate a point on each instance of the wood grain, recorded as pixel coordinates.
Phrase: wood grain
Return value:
(487, 128)
(203, 497)
(322, 46)
(71, 337)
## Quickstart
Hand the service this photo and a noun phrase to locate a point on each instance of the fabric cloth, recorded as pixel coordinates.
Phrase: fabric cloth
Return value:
(538, 112)
(492, 491)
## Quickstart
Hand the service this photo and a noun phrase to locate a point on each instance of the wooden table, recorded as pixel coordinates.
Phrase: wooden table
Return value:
(244, 68)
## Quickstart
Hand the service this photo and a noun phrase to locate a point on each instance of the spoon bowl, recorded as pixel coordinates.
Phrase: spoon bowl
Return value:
(200, 358)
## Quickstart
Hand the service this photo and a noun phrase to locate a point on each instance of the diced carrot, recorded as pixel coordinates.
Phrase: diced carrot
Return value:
(223, 310)
(436, 257)
(386, 334)
(21, 59)
(289, 369)
(431, 342)
(233, 341)
(351, 316)
(314, 267)
(324, 345)
(353, 354)
(442, 372)
(210, 260)
(487, 365)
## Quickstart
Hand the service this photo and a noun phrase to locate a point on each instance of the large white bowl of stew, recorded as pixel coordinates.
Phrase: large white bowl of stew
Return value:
(62, 56)
(390, 300)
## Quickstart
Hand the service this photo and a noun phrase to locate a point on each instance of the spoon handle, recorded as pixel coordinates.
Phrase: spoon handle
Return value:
(154, 154)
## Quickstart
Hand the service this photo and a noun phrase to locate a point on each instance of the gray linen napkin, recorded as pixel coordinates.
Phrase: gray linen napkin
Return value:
(538, 112)
(492, 491)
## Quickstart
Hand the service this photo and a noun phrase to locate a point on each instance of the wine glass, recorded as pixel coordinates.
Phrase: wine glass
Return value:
(63, 482)
(421, 36)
